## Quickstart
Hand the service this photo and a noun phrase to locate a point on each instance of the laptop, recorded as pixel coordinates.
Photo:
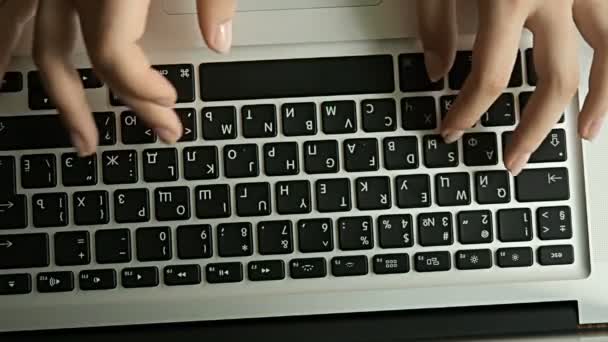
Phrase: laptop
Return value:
(311, 196)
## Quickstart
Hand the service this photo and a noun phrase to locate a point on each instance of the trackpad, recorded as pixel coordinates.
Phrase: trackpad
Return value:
(189, 7)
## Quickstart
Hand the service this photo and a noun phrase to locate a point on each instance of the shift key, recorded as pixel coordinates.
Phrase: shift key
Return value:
(537, 185)
(24, 251)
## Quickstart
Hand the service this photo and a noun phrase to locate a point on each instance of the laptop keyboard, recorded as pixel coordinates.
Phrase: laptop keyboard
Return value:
(287, 170)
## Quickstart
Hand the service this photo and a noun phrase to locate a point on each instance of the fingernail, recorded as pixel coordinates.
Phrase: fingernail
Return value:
(79, 143)
(518, 164)
(434, 65)
(451, 137)
(594, 129)
(222, 40)
(167, 135)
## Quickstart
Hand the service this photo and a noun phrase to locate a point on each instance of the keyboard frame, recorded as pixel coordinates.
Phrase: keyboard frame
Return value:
(299, 297)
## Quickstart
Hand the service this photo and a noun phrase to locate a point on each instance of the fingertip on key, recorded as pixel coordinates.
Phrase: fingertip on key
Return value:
(517, 163)
(168, 135)
(450, 136)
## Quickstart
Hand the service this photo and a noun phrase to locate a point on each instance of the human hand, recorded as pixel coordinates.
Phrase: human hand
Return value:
(111, 30)
(554, 25)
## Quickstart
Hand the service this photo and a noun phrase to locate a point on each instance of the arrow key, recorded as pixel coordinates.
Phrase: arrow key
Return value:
(182, 275)
(266, 270)
(12, 284)
(13, 212)
(552, 149)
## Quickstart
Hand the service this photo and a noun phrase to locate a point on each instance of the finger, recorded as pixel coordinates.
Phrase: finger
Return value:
(111, 30)
(438, 31)
(591, 17)
(53, 43)
(215, 21)
(556, 62)
(494, 55)
(14, 14)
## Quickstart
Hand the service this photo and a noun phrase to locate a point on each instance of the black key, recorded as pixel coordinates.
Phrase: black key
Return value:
(555, 255)
(119, 167)
(395, 231)
(201, 163)
(524, 97)
(266, 270)
(530, 69)
(24, 251)
(76, 171)
(219, 123)
(474, 259)
(339, 117)
(139, 277)
(38, 171)
(181, 77)
(391, 263)
(379, 115)
(172, 204)
(106, 125)
(131, 206)
(333, 195)
(475, 227)
(348, 266)
(182, 275)
(39, 100)
(413, 75)
(462, 67)
(8, 174)
(373, 193)
(89, 79)
(445, 104)
(50, 210)
(72, 248)
(293, 197)
(501, 113)
(401, 153)
(432, 262)
(227, 272)
(552, 149)
(113, 246)
(13, 211)
(259, 121)
(134, 130)
(554, 223)
(253, 199)
(297, 78)
(361, 155)
(439, 154)
(299, 119)
(275, 237)
(308, 268)
(315, 235)
(413, 191)
(14, 284)
(187, 116)
(418, 113)
(91, 208)
(212, 201)
(542, 185)
(194, 242)
(321, 157)
(55, 282)
(160, 165)
(514, 225)
(492, 187)
(281, 159)
(453, 189)
(356, 233)
(480, 149)
(96, 280)
(12, 82)
(241, 161)
(234, 239)
(153, 244)
(114, 100)
(514, 257)
(435, 229)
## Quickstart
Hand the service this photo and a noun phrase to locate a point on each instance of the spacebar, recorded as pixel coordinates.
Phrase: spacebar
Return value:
(29, 132)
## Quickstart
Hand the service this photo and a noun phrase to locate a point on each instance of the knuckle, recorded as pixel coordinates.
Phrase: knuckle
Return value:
(103, 56)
